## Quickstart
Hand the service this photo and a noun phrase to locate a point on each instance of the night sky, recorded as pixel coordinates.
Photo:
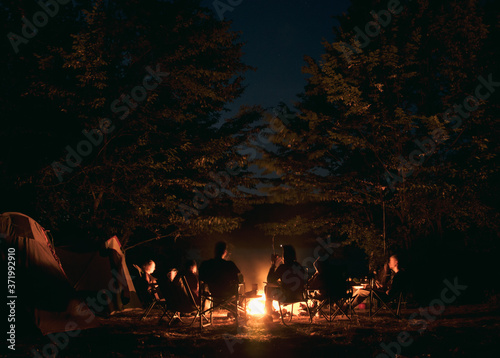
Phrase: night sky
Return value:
(277, 35)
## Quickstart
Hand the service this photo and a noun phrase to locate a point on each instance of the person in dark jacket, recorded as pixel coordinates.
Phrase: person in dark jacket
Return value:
(285, 282)
(388, 289)
(221, 275)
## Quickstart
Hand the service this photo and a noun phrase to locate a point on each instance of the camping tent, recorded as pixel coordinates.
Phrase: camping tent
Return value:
(101, 273)
(39, 291)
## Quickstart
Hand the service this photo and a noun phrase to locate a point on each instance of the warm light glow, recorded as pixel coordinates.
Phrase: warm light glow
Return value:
(257, 306)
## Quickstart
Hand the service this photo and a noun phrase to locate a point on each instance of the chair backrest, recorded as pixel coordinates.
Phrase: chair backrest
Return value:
(141, 285)
(399, 283)
(179, 296)
(293, 282)
(333, 277)
(221, 277)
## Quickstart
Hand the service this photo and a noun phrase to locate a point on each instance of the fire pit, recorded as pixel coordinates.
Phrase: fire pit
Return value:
(256, 306)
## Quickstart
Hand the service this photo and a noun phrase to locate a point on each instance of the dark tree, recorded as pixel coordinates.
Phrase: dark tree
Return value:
(378, 132)
(153, 78)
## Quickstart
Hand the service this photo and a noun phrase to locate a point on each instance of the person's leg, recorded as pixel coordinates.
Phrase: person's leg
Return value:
(272, 293)
(269, 300)
(361, 295)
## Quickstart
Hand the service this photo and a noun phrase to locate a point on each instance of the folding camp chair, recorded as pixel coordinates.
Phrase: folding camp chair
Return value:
(180, 302)
(336, 294)
(332, 306)
(161, 304)
(285, 300)
(154, 301)
(235, 303)
(149, 294)
(385, 302)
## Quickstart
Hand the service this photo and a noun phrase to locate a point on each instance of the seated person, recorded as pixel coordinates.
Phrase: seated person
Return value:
(285, 282)
(387, 287)
(149, 267)
(146, 284)
(191, 274)
(176, 293)
(330, 277)
(221, 275)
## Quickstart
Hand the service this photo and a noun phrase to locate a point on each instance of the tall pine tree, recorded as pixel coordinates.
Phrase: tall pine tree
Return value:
(153, 76)
(372, 144)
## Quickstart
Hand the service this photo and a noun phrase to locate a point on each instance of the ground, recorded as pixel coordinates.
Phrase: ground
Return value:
(458, 331)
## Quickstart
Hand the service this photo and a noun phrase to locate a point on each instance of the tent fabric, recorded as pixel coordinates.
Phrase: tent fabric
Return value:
(44, 296)
(101, 273)
(126, 281)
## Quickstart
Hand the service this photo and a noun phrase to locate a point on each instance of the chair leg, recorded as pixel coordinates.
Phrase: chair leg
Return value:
(332, 312)
(203, 314)
(148, 310)
(170, 317)
(346, 301)
(280, 305)
(322, 313)
(371, 304)
(189, 322)
(165, 313)
(400, 299)
(352, 311)
(237, 313)
(281, 313)
(309, 312)
(384, 304)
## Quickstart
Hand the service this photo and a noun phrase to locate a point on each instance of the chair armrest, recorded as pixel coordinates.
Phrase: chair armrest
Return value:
(272, 284)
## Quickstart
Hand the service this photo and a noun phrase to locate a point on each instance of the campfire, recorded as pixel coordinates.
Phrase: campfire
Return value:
(257, 306)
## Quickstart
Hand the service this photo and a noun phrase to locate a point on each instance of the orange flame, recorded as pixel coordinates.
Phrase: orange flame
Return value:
(257, 306)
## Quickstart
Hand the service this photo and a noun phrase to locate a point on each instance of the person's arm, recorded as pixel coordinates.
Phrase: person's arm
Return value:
(235, 268)
(398, 284)
(139, 270)
(272, 276)
(202, 271)
(382, 281)
(239, 275)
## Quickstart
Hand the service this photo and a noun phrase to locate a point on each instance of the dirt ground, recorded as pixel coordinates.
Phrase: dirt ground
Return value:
(462, 331)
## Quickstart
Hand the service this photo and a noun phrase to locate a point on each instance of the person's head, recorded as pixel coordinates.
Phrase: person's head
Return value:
(192, 267)
(171, 274)
(149, 267)
(289, 254)
(394, 263)
(220, 250)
